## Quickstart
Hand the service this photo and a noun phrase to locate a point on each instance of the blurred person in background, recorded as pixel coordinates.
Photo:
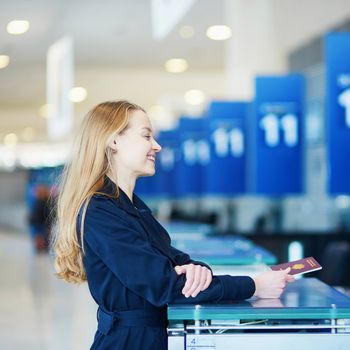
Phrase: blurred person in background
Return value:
(39, 218)
(106, 235)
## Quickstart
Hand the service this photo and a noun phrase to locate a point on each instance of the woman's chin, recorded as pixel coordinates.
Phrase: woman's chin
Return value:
(148, 172)
(152, 172)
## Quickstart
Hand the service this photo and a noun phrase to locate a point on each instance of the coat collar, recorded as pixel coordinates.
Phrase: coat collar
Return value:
(123, 201)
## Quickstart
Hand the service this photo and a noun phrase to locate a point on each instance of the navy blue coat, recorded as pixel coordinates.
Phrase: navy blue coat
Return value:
(129, 262)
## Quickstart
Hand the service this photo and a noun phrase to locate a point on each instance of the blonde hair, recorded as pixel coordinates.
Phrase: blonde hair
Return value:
(82, 177)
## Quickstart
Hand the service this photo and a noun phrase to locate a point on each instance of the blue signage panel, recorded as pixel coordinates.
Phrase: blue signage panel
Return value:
(276, 132)
(166, 163)
(163, 183)
(226, 172)
(146, 186)
(194, 156)
(337, 53)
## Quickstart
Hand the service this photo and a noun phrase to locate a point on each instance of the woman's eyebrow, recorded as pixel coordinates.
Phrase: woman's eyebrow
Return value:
(147, 128)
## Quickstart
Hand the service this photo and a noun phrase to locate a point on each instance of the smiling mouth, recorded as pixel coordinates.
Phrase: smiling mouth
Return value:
(151, 158)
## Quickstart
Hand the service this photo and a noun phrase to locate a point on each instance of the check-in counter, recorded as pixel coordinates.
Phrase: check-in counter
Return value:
(227, 255)
(309, 315)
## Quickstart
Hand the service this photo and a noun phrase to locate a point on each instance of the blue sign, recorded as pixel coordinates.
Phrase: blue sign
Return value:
(194, 156)
(276, 162)
(163, 182)
(146, 186)
(337, 51)
(226, 172)
(166, 161)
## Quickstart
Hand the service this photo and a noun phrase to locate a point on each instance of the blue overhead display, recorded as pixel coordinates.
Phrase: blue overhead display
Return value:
(276, 134)
(226, 172)
(337, 53)
(193, 156)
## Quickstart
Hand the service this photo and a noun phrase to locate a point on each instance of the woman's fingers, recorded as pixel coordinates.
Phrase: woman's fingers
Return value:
(290, 278)
(208, 280)
(202, 281)
(198, 278)
(272, 283)
(189, 278)
(180, 270)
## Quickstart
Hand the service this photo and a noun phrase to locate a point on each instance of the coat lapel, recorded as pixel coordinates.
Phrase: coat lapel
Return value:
(143, 217)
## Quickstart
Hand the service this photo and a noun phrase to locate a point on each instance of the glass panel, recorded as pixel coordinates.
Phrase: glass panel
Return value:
(306, 298)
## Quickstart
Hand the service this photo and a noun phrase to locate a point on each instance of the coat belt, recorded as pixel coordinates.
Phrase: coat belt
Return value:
(131, 318)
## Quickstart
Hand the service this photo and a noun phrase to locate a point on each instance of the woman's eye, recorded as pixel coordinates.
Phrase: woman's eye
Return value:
(147, 137)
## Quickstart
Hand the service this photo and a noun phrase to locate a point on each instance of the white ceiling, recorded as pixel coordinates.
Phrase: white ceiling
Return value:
(115, 33)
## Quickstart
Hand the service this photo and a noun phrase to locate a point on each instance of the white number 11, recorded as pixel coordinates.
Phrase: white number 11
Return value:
(271, 125)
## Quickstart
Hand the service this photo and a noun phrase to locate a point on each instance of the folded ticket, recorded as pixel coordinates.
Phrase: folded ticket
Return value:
(298, 267)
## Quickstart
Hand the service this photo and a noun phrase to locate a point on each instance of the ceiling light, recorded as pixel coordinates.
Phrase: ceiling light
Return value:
(77, 94)
(194, 97)
(17, 27)
(186, 32)
(10, 139)
(46, 110)
(219, 32)
(4, 61)
(28, 134)
(176, 65)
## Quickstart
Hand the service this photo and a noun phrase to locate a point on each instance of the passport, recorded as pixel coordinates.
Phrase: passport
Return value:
(298, 267)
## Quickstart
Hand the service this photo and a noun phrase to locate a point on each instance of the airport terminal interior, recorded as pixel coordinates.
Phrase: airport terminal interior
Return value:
(250, 102)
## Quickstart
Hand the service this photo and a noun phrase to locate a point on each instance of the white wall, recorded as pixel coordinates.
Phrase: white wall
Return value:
(264, 32)
(299, 21)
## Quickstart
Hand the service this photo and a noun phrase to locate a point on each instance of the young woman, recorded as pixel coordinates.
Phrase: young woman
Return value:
(108, 236)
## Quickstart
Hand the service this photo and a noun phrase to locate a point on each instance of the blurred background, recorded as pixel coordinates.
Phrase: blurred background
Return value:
(250, 100)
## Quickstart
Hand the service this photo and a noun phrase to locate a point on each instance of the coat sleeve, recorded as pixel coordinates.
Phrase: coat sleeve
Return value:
(141, 268)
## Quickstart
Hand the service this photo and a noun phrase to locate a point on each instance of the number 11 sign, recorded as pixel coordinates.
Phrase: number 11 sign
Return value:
(276, 130)
(337, 51)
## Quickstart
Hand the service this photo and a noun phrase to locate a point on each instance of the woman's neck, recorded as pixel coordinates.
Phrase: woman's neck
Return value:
(125, 182)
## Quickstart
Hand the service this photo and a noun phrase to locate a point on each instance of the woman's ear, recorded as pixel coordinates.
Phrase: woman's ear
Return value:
(113, 145)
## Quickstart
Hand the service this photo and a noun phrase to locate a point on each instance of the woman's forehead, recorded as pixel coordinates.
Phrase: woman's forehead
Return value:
(139, 119)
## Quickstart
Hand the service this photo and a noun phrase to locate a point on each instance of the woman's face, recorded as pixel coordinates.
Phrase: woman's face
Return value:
(136, 148)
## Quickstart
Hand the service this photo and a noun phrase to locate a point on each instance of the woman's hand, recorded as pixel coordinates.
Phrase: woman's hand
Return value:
(270, 284)
(198, 278)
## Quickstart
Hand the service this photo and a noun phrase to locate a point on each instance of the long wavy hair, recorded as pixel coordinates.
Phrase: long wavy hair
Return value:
(82, 177)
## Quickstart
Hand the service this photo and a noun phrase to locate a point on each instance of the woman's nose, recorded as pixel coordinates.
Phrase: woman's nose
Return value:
(156, 146)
